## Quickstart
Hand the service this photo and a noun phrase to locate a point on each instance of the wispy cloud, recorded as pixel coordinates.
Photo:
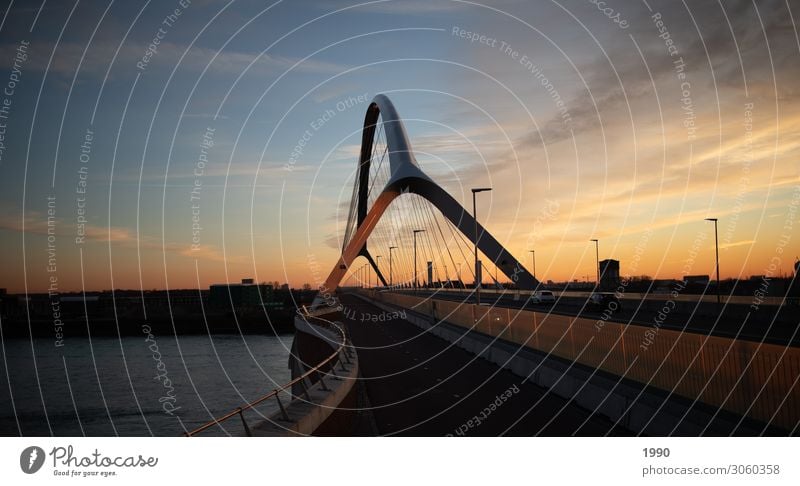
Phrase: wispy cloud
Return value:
(405, 7)
(36, 223)
(725, 246)
(99, 57)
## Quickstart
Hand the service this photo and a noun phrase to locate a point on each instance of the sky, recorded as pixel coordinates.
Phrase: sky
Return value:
(154, 144)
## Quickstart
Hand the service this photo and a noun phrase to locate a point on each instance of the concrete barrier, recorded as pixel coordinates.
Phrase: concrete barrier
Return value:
(316, 408)
(758, 381)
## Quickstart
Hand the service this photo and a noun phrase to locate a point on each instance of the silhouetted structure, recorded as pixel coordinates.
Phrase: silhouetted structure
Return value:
(245, 295)
(609, 274)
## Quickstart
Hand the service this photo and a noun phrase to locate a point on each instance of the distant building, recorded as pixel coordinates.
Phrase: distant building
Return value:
(241, 296)
(697, 279)
(609, 274)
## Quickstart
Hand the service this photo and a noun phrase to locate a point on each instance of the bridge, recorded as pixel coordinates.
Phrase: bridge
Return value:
(419, 353)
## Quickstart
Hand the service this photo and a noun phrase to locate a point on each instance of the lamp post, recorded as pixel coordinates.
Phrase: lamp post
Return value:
(415, 256)
(476, 190)
(378, 267)
(716, 244)
(597, 257)
(390, 264)
(366, 275)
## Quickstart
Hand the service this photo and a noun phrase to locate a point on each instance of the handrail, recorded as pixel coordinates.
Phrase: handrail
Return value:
(275, 393)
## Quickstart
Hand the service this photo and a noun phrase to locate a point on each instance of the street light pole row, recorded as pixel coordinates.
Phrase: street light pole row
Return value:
(597, 255)
(477, 282)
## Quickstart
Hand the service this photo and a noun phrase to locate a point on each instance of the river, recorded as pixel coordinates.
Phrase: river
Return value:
(135, 386)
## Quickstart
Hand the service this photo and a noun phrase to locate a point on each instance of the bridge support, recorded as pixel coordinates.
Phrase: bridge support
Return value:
(407, 177)
(366, 254)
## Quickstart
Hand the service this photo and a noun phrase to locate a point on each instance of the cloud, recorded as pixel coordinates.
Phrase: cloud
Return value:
(405, 7)
(725, 246)
(329, 92)
(205, 116)
(100, 55)
(37, 223)
(711, 52)
(209, 253)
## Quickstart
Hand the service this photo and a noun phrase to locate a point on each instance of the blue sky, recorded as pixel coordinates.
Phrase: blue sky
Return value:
(257, 76)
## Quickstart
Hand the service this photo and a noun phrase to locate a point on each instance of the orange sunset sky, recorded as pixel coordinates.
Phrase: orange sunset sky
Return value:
(184, 171)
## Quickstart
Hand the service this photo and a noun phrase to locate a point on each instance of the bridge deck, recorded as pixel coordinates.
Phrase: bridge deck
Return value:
(418, 384)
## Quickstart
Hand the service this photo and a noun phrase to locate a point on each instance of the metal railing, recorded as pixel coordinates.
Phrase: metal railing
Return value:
(710, 298)
(335, 358)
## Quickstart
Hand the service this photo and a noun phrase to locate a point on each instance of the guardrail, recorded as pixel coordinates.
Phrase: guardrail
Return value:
(334, 359)
(709, 298)
(749, 378)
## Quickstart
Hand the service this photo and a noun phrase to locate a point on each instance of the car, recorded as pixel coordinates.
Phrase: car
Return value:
(601, 301)
(543, 297)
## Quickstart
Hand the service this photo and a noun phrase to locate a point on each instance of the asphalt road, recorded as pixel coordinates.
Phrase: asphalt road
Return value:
(420, 385)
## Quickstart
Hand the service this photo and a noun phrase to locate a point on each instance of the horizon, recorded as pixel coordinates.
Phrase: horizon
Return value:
(647, 278)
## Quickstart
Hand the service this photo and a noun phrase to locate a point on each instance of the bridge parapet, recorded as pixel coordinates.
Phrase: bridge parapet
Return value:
(316, 390)
(749, 379)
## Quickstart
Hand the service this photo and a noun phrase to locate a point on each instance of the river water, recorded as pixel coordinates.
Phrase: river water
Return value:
(136, 386)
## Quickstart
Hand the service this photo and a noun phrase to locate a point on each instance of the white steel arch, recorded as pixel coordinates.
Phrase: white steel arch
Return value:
(407, 176)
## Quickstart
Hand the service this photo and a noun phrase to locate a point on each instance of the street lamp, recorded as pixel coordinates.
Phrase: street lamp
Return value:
(415, 256)
(476, 190)
(390, 264)
(597, 256)
(377, 267)
(716, 240)
(366, 275)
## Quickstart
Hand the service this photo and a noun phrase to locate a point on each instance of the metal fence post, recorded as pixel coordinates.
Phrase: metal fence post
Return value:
(322, 382)
(280, 405)
(246, 428)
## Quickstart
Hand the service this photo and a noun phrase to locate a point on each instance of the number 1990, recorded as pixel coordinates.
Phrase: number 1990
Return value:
(656, 452)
